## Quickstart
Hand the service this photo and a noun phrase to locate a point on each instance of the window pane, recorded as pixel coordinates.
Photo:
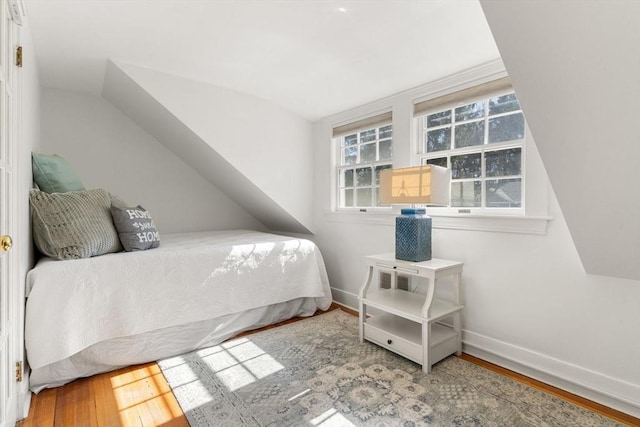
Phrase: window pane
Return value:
(359, 171)
(368, 135)
(363, 197)
(466, 166)
(468, 193)
(376, 195)
(439, 119)
(346, 178)
(349, 155)
(471, 111)
(440, 161)
(503, 162)
(351, 140)
(385, 132)
(503, 104)
(346, 198)
(470, 134)
(506, 128)
(368, 153)
(363, 177)
(386, 149)
(438, 140)
(504, 193)
(378, 169)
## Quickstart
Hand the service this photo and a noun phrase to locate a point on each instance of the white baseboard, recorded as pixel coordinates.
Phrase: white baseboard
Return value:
(24, 398)
(608, 391)
(348, 299)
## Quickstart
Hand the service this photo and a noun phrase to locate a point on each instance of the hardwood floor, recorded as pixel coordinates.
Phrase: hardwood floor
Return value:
(140, 396)
(133, 396)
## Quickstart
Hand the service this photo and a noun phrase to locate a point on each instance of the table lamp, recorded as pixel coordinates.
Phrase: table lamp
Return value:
(417, 185)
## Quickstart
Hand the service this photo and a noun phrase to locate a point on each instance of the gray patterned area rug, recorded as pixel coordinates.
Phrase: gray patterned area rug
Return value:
(315, 372)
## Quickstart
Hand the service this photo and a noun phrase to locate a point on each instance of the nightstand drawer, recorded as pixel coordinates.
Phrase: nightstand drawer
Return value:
(401, 346)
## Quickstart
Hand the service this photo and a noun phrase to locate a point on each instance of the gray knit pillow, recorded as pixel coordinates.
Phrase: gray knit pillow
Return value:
(73, 225)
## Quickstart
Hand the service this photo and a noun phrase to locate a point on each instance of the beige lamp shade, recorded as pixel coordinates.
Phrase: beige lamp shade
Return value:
(417, 185)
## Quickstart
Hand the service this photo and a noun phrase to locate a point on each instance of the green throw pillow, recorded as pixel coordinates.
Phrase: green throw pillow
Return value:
(53, 174)
(73, 225)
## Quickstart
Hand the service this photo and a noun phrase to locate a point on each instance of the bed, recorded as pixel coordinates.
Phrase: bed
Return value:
(92, 315)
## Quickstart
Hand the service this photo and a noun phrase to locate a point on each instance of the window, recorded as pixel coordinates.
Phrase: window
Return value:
(363, 151)
(482, 142)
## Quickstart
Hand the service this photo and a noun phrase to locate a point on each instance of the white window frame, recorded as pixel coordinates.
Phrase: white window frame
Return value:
(423, 156)
(538, 191)
(339, 143)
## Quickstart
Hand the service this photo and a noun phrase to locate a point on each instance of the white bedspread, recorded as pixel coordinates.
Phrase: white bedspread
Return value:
(191, 277)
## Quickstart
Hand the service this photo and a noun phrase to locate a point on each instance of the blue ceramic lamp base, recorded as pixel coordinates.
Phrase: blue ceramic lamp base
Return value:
(413, 235)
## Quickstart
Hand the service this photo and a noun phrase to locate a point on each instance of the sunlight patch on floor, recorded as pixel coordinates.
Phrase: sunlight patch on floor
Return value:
(331, 418)
(142, 395)
(240, 363)
(292, 398)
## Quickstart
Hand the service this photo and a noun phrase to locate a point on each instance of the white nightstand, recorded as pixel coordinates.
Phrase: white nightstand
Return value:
(411, 323)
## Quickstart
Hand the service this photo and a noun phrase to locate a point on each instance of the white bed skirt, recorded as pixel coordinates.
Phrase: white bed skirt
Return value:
(156, 345)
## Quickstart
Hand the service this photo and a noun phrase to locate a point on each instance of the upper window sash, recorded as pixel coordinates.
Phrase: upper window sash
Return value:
(364, 148)
(488, 121)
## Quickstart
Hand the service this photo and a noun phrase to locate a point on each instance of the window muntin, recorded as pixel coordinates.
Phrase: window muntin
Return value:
(362, 155)
(482, 142)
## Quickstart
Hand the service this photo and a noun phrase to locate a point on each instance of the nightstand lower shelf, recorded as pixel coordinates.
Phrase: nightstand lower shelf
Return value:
(404, 337)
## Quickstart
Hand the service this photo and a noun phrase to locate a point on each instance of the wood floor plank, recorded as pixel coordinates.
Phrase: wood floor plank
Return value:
(152, 398)
(43, 409)
(167, 401)
(124, 385)
(107, 411)
(75, 405)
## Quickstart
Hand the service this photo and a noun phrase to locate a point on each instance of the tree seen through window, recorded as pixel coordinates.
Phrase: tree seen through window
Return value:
(481, 142)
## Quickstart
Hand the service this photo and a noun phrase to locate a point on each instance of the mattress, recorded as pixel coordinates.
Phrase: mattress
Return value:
(192, 280)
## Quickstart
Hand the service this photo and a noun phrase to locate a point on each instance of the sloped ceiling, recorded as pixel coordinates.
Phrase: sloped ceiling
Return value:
(576, 69)
(145, 96)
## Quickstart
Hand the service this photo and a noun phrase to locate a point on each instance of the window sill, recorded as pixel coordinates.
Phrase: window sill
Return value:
(494, 223)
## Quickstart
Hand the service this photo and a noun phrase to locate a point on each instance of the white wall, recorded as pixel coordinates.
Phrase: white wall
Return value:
(576, 68)
(268, 145)
(29, 140)
(527, 296)
(110, 151)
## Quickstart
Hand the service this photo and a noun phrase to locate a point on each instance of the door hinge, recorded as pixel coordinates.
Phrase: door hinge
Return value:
(19, 56)
(19, 371)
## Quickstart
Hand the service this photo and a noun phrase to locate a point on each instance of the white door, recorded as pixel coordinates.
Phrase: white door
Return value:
(10, 325)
